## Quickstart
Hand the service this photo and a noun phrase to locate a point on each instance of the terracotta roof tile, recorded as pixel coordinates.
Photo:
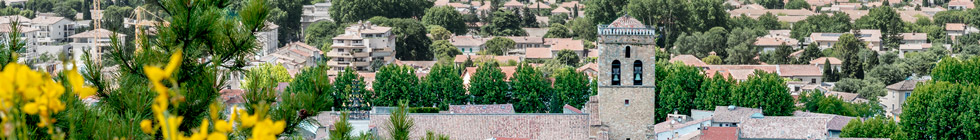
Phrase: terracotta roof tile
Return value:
(821, 60)
(784, 128)
(540, 53)
(799, 70)
(955, 26)
(689, 60)
(719, 133)
(904, 85)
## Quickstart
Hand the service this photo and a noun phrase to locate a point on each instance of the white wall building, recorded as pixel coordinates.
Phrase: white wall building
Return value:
(95, 42)
(361, 45)
(53, 29)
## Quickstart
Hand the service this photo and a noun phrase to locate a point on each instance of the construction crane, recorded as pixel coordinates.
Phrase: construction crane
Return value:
(142, 19)
(96, 26)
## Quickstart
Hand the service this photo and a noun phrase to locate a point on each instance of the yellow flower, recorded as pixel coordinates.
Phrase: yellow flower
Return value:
(222, 126)
(248, 120)
(217, 136)
(78, 84)
(156, 74)
(170, 128)
(147, 126)
(267, 130)
(30, 108)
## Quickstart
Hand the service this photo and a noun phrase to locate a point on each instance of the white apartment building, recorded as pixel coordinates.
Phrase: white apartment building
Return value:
(268, 38)
(361, 45)
(52, 29)
(314, 13)
(95, 42)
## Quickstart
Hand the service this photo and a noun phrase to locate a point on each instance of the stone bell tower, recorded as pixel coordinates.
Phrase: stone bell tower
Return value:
(626, 78)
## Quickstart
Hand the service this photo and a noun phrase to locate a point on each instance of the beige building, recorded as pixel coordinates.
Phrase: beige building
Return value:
(897, 93)
(362, 45)
(95, 42)
(626, 93)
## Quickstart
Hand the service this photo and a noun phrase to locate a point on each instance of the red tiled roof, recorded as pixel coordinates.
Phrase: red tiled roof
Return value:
(500, 59)
(542, 53)
(821, 60)
(955, 26)
(689, 60)
(573, 109)
(719, 133)
(485, 126)
(570, 44)
(627, 21)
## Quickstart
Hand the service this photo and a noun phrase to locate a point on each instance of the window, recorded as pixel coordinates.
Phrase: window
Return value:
(615, 72)
(637, 72)
(627, 103)
(907, 94)
(627, 52)
(813, 81)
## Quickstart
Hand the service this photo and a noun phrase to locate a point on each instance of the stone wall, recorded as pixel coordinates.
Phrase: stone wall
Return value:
(485, 126)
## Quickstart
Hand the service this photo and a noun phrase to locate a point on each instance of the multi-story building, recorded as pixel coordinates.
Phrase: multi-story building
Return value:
(626, 93)
(95, 42)
(314, 13)
(52, 29)
(268, 38)
(362, 46)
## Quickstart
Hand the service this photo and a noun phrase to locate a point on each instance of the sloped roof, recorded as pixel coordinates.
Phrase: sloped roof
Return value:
(784, 128)
(965, 3)
(627, 21)
(513, 3)
(499, 59)
(915, 36)
(735, 115)
(537, 4)
(467, 41)
(5, 28)
(903, 85)
(592, 66)
(821, 60)
(560, 10)
(526, 39)
(690, 60)
(799, 70)
(101, 33)
(955, 26)
(719, 133)
(569, 44)
(541, 53)
(571, 108)
(46, 20)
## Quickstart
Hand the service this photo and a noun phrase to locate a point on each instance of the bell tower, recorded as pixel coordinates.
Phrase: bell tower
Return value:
(626, 78)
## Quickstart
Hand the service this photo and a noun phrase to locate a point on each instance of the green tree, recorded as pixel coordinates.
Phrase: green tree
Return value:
(314, 81)
(263, 75)
(394, 83)
(847, 47)
(113, 17)
(399, 124)
(769, 21)
(714, 91)
(444, 81)
(567, 57)
(558, 31)
(321, 33)
(712, 60)
(287, 14)
(702, 44)
(443, 49)
(816, 101)
(767, 91)
(809, 53)
(439, 33)
(530, 89)
(488, 85)
(604, 11)
(741, 54)
(781, 55)
(973, 19)
(828, 72)
(798, 4)
(672, 15)
(346, 11)
(446, 17)
(347, 84)
(771, 4)
(583, 28)
(839, 23)
(951, 16)
(874, 127)
(677, 90)
(410, 41)
(498, 46)
(557, 18)
(849, 85)
(889, 73)
(504, 24)
(528, 19)
(707, 14)
(568, 86)
(888, 21)
(342, 128)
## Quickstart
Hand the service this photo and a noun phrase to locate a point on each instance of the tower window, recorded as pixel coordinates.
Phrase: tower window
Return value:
(637, 72)
(615, 72)
(627, 52)
(627, 102)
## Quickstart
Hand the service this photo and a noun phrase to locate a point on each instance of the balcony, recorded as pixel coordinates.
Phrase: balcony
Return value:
(348, 54)
(347, 63)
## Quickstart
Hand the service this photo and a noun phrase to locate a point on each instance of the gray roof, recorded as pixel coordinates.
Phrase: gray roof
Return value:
(784, 128)
(834, 122)
(903, 85)
(724, 115)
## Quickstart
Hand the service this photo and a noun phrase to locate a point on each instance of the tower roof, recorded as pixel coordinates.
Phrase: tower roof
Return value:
(627, 21)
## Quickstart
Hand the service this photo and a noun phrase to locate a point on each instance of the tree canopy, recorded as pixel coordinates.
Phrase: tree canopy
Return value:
(498, 46)
(447, 17)
(411, 43)
(346, 11)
